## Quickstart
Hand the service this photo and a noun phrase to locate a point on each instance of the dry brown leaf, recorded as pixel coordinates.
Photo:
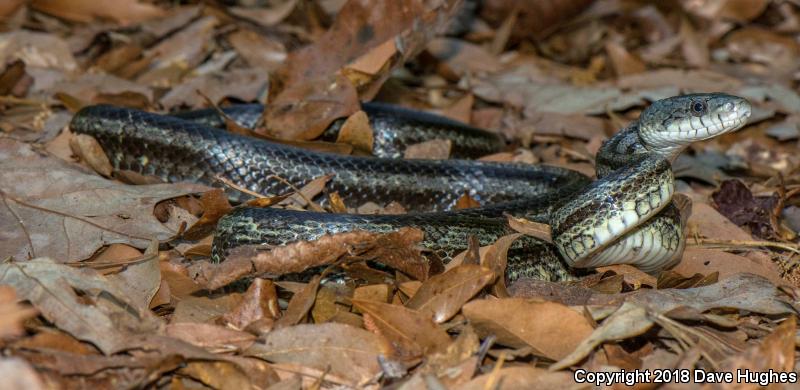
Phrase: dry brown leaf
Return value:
(259, 301)
(708, 222)
(435, 149)
(140, 278)
(121, 11)
(551, 329)
(314, 76)
(538, 230)
(37, 49)
(372, 292)
(258, 50)
(411, 332)
(8, 8)
(242, 84)
(672, 279)
(12, 313)
(466, 202)
(461, 110)
(442, 296)
(460, 57)
(624, 62)
(363, 70)
(694, 45)
(68, 214)
(217, 374)
(310, 190)
(737, 10)
(535, 18)
(348, 352)
(522, 377)
(707, 261)
(266, 16)
(171, 58)
(180, 284)
(631, 275)
(14, 80)
(88, 150)
(214, 338)
(357, 131)
(398, 250)
(107, 322)
(215, 205)
(300, 304)
(197, 308)
(87, 87)
(304, 110)
(775, 352)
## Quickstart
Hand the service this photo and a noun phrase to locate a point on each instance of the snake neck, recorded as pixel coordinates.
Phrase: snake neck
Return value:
(622, 149)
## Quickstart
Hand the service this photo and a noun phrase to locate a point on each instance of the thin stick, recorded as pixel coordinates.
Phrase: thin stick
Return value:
(745, 243)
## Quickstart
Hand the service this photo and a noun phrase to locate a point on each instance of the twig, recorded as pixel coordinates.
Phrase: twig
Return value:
(239, 188)
(745, 243)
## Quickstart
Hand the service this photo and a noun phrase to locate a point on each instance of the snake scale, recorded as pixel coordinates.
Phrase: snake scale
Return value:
(626, 216)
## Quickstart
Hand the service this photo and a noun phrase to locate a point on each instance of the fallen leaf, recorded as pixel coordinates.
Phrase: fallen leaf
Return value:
(411, 332)
(259, 301)
(18, 374)
(14, 81)
(141, 279)
(706, 261)
(174, 56)
(348, 352)
(435, 149)
(357, 131)
(12, 313)
(775, 352)
(214, 338)
(88, 150)
(243, 84)
(372, 292)
(300, 304)
(266, 16)
(462, 57)
(200, 309)
(215, 204)
(122, 11)
(522, 377)
(624, 62)
(551, 329)
(313, 76)
(672, 279)
(442, 296)
(708, 222)
(68, 214)
(89, 87)
(535, 18)
(466, 202)
(107, 321)
(737, 10)
(397, 249)
(36, 49)
(303, 111)
(258, 50)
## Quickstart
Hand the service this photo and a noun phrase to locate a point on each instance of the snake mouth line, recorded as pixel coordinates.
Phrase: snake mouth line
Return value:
(706, 132)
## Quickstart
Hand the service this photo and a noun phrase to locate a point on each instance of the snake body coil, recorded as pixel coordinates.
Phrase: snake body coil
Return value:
(625, 216)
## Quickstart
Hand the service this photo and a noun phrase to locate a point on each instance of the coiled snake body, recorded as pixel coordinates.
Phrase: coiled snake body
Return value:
(625, 216)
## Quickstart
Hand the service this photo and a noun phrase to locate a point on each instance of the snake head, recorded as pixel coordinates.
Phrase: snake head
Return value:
(669, 125)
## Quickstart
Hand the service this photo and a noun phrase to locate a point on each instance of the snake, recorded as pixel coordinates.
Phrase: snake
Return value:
(626, 215)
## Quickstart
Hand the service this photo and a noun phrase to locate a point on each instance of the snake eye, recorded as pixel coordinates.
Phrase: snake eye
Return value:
(698, 107)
